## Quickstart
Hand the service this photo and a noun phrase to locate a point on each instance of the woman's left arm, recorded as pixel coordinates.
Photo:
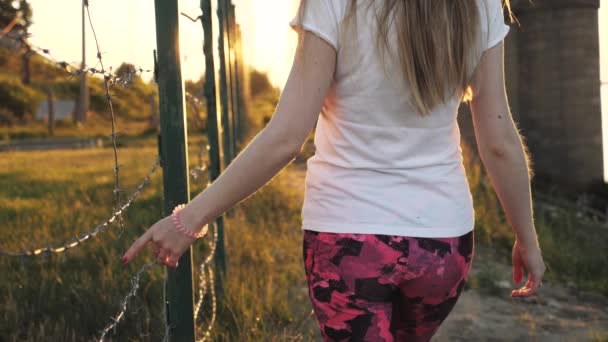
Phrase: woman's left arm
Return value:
(268, 153)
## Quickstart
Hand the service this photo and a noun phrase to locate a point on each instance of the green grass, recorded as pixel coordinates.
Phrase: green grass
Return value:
(573, 249)
(54, 195)
(96, 127)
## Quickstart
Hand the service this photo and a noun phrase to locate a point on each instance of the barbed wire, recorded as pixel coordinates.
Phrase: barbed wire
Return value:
(91, 233)
(202, 287)
(204, 266)
(117, 189)
(73, 70)
(206, 274)
(123, 305)
(205, 271)
(207, 332)
(197, 171)
(206, 277)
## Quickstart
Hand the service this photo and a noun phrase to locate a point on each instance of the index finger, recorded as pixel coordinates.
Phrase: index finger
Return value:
(137, 246)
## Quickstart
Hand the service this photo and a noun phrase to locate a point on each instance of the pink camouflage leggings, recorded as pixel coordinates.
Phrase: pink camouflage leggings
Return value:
(366, 287)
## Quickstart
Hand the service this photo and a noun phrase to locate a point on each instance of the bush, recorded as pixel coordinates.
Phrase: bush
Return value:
(6, 118)
(129, 102)
(259, 83)
(18, 99)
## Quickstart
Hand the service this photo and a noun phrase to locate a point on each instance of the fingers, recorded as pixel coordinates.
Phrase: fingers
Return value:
(162, 257)
(173, 261)
(528, 290)
(166, 258)
(137, 246)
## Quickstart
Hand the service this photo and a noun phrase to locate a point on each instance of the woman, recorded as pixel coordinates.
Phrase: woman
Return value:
(388, 216)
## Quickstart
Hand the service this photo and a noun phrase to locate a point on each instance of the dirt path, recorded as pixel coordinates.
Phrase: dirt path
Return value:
(559, 313)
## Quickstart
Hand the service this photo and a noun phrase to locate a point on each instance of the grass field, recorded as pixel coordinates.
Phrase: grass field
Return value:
(52, 196)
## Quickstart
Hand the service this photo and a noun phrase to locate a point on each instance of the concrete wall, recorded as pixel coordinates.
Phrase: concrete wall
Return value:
(553, 85)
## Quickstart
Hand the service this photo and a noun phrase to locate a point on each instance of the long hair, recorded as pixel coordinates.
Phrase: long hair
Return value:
(438, 44)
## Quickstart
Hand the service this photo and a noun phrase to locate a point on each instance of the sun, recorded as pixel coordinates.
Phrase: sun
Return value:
(270, 42)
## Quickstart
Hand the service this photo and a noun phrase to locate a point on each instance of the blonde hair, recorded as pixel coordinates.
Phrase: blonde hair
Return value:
(438, 45)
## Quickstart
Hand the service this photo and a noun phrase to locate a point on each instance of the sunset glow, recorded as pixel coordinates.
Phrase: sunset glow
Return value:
(127, 33)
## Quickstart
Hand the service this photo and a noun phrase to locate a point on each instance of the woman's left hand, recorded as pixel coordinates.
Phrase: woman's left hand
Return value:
(168, 244)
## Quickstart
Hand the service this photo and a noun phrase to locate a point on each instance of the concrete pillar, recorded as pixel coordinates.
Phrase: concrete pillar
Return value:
(553, 85)
(559, 89)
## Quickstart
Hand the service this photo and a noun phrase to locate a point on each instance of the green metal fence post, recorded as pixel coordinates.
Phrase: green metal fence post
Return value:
(213, 136)
(224, 86)
(238, 82)
(243, 87)
(179, 297)
(233, 76)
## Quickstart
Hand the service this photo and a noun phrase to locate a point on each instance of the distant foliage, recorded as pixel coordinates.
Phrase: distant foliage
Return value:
(126, 68)
(264, 98)
(10, 9)
(259, 83)
(196, 88)
(129, 102)
(41, 68)
(18, 100)
(9, 62)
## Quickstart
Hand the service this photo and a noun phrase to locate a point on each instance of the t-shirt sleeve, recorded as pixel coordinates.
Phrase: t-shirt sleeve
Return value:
(321, 18)
(497, 29)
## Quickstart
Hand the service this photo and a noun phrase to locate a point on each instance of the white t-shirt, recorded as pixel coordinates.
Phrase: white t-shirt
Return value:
(379, 166)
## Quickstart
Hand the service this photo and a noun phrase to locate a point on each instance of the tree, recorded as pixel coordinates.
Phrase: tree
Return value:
(18, 11)
(196, 87)
(15, 19)
(259, 82)
(125, 69)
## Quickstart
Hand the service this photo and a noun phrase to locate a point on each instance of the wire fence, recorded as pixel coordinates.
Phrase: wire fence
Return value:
(21, 39)
(78, 240)
(205, 284)
(206, 288)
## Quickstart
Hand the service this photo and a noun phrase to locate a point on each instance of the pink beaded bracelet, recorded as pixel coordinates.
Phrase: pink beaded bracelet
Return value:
(178, 225)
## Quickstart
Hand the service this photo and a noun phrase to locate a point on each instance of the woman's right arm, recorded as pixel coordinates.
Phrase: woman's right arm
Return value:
(506, 160)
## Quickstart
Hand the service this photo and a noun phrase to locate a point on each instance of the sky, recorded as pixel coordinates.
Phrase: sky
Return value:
(126, 32)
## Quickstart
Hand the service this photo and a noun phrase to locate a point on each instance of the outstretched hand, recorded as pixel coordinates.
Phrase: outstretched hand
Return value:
(530, 259)
(168, 244)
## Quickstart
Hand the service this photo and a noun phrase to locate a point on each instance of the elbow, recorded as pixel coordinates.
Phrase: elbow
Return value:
(500, 145)
(499, 151)
(494, 152)
(293, 148)
(284, 143)
(295, 153)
